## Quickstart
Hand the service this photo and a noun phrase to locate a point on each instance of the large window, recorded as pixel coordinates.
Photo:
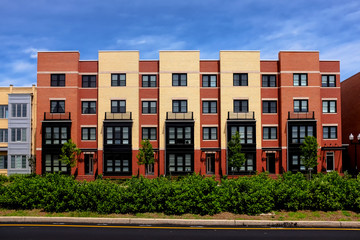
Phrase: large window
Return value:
(180, 135)
(18, 110)
(3, 161)
(241, 106)
(57, 106)
(57, 80)
(117, 163)
(300, 105)
(3, 135)
(18, 161)
(117, 135)
(118, 80)
(247, 134)
(240, 79)
(56, 135)
(300, 79)
(180, 162)
(89, 81)
(330, 132)
(118, 106)
(3, 111)
(269, 107)
(328, 81)
(149, 107)
(268, 80)
(209, 133)
(88, 107)
(179, 79)
(54, 165)
(269, 133)
(298, 133)
(248, 166)
(209, 81)
(179, 106)
(18, 134)
(149, 133)
(148, 80)
(88, 133)
(329, 106)
(297, 163)
(209, 107)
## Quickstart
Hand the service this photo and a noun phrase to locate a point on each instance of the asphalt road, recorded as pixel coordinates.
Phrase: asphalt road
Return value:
(106, 232)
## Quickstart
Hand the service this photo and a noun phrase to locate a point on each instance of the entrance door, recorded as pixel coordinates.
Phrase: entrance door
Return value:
(210, 163)
(329, 161)
(88, 160)
(270, 162)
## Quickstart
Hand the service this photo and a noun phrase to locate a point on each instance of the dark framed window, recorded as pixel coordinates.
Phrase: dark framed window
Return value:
(3, 135)
(118, 79)
(88, 107)
(269, 80)
(180, 162)
(18, 161)
(299, 132)
(88, 133)
(329, 132)
(300, 105)
(88, 81)
(180, 135)
(296, 163)
(149, 133)
(179, 106)
(240, 79)
(269, 106)
(117, 163)
(56, 135)
(179, 79)
(241, 106)
(18, 134)
(148, 81)
(54, 165)
(18, 110)
(3, 162)
(118, 106)
(117, 135)
(248, 166)
(269, 133)
(329, 106)
(149, 107)
(57, 106)
(328, 81)
(300, 79)
(209, 81)
(209, 133)
(3, 111)
(209, 107)
(57, 80)
(247, 133)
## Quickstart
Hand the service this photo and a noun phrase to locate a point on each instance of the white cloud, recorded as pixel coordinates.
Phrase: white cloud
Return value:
(33, 51)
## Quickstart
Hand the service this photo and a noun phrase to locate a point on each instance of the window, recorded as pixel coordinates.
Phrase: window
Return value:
(57, 80)
(180, 135)
(57, 106)
(269, 133)
(89, 81)
(149, 81)
(149, 133)
(117, 163)
(209, 133)
(248, 166)
(18, 110)
(297, 163)
(209, 107)
(179, 106)
(298, 133)
(240, 79)
(300, 79)
(329, 106)
(209, 81)
(54, 165)
(179, 79)
(268, 80)
(3, 161)
(269, 107)
(3, 111)
(180, 162)
(88, 133)
(3, 135)
(18, 134)
(18, 161)
(247, 134)
(56, 135)
(330, 132)
(328, 81)
(117, 135)
(88, 107)
(241, 106)
(118, 106)
(149, 107)
(300, 105)
(118, 80)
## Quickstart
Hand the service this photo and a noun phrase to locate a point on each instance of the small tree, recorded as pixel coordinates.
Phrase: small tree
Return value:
(309, 153)
(69, 153)
(236, 158)
(146, 154)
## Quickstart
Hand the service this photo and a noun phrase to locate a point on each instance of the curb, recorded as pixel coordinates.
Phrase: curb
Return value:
(184, 222)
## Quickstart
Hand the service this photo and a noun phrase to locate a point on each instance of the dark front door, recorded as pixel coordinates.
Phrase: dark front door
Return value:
(330, 161)
(88, 160)
(270, 165)
(210, 163)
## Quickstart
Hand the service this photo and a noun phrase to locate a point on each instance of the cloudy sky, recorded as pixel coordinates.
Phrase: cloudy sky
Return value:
(27, 26)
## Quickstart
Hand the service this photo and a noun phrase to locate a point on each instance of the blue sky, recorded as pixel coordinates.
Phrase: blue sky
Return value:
(28, 26)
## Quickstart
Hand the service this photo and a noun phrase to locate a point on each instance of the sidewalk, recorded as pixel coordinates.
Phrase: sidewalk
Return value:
(184, 222)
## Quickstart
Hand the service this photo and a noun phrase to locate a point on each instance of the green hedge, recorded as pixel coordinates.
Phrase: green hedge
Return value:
(191, 194)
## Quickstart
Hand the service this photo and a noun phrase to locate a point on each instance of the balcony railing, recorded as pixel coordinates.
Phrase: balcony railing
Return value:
(118, 116)
(179, 116)
(241, 115)
(301, 115)
(57, 116)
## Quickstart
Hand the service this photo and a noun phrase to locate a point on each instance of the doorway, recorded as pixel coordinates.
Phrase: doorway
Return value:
(210, 163)
(270, 163)
(329, 161)
(88, 160)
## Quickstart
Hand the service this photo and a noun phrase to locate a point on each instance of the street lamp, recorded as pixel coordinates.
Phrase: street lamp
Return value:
(351, 138)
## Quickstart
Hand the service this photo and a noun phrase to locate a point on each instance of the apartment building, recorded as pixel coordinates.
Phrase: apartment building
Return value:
(188, 108)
